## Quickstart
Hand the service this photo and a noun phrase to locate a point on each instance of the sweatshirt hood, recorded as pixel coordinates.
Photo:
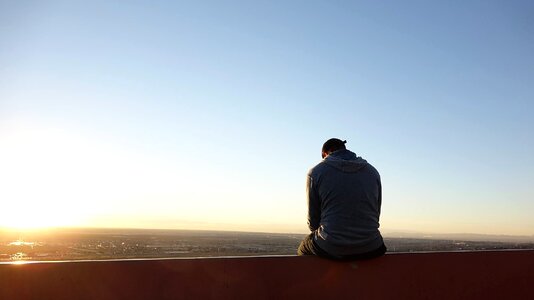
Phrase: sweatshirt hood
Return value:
(345, 161)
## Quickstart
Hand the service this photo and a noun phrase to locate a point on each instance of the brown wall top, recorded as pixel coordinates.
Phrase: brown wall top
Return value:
(465, 275)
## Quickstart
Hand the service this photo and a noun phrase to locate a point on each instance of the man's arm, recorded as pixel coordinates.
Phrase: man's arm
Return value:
(379, 195)
(314, 205)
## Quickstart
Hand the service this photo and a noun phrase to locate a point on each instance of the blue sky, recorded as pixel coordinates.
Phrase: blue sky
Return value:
(209, 114)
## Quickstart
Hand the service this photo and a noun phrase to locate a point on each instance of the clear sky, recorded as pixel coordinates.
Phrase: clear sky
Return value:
(208, 114)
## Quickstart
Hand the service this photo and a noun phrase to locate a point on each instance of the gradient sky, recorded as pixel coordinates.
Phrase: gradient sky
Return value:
(208, 114)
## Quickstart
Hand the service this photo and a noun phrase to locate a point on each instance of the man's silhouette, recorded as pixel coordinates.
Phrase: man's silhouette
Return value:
(344, 198)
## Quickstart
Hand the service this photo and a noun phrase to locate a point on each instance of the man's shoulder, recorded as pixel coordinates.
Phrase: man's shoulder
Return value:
(317, 169)
(372, 170)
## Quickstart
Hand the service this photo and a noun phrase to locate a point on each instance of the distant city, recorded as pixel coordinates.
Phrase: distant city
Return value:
(102, 244)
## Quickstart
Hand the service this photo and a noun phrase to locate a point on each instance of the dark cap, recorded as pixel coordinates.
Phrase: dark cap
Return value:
(333, 145)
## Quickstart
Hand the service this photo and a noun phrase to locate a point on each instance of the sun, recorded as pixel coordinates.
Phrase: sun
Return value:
(39, 183)
(34, 219)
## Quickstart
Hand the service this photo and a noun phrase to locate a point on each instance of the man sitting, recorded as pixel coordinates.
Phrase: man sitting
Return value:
(344, 198)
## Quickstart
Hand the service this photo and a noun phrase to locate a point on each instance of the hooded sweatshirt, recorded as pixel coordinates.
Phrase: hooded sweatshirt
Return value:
(344, 199)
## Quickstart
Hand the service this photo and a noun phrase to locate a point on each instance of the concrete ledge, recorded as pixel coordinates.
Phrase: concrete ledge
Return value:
(452, 275)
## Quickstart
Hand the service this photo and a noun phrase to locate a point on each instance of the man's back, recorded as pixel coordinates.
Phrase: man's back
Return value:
(344, 199)
(346, 190)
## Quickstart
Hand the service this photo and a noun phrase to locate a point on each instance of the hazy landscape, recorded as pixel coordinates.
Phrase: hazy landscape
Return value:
(96, 244)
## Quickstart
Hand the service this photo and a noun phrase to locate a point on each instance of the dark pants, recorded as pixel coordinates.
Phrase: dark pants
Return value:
(309, 247)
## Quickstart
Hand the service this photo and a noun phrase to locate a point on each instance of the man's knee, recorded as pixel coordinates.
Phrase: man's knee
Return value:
(305, 247)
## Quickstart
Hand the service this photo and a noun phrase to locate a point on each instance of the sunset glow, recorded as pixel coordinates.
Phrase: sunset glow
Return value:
(208, 115)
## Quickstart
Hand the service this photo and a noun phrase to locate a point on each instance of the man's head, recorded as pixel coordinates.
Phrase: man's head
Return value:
(332, 145)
